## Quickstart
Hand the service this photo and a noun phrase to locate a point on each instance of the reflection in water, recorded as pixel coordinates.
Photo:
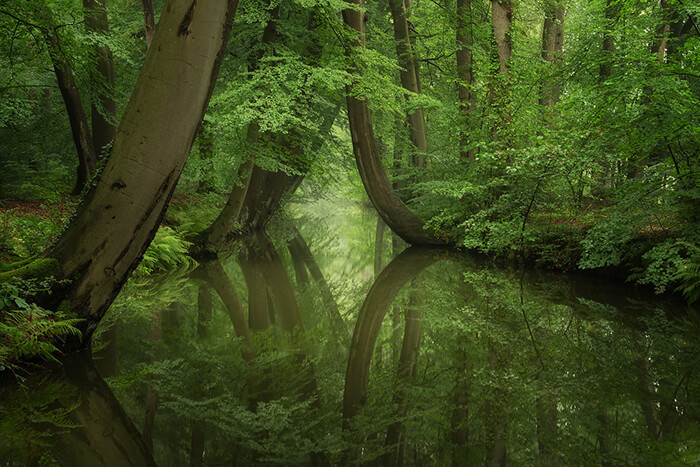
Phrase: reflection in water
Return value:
(76, 415)
(473, 366)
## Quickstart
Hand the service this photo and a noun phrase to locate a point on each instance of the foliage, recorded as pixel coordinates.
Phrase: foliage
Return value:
(31, 421)
(168, 250)
(23, 236)
(27, 331)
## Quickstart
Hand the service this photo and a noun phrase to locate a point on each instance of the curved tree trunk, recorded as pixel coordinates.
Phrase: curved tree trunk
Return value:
(396, 215)
(396, 434)
(106, 239)
(392, 279)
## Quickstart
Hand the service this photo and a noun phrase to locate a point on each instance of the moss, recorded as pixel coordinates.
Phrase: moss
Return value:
(15, 265)
(64, 307)
(37, 269)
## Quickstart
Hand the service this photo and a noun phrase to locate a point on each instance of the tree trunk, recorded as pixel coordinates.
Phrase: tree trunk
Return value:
(396, 434)
(87, 157)
(379, 247)
(460, 413)
(552, 44)
(501, 15)
(219, 280)
(154, 339)
(225, 222)
(103, 433)
(108, 235)
(104, 111)
(252, 267)
(409, 79)
(611, 12)
(335, 318)
(397, 216)
(465, 72)
(149, 21)
(392, 279)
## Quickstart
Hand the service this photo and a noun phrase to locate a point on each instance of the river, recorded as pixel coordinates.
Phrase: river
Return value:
(317, 345)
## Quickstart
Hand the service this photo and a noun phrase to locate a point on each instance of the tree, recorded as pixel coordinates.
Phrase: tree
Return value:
(409, 79)
(120, 215)
(104, 106)
(388, 205)
(552, 43)
(465, 73)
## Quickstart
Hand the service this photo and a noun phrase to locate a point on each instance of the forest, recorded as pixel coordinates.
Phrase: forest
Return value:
(330, 232)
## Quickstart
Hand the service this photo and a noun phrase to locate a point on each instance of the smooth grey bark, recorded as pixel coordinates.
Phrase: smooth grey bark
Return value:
(502, 15)
(388, 205)
(115, 224)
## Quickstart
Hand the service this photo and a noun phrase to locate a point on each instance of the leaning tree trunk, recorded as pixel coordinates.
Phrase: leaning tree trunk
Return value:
(104, 111)
(121, 214)
(87, 157)
(388, 205)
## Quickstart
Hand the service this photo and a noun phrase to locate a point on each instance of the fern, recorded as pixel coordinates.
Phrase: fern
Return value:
(30, 331)
(168, 250)
(689, 276)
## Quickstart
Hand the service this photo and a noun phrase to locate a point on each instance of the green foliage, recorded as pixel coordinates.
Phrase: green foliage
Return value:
(30, 419)
(688, 274)
(25, 236)
(28, 331)
(167, 251)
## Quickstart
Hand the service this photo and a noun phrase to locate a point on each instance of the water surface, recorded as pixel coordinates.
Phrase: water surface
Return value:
(319, 346)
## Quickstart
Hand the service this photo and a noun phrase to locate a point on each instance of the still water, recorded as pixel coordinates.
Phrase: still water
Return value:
(320, 346)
